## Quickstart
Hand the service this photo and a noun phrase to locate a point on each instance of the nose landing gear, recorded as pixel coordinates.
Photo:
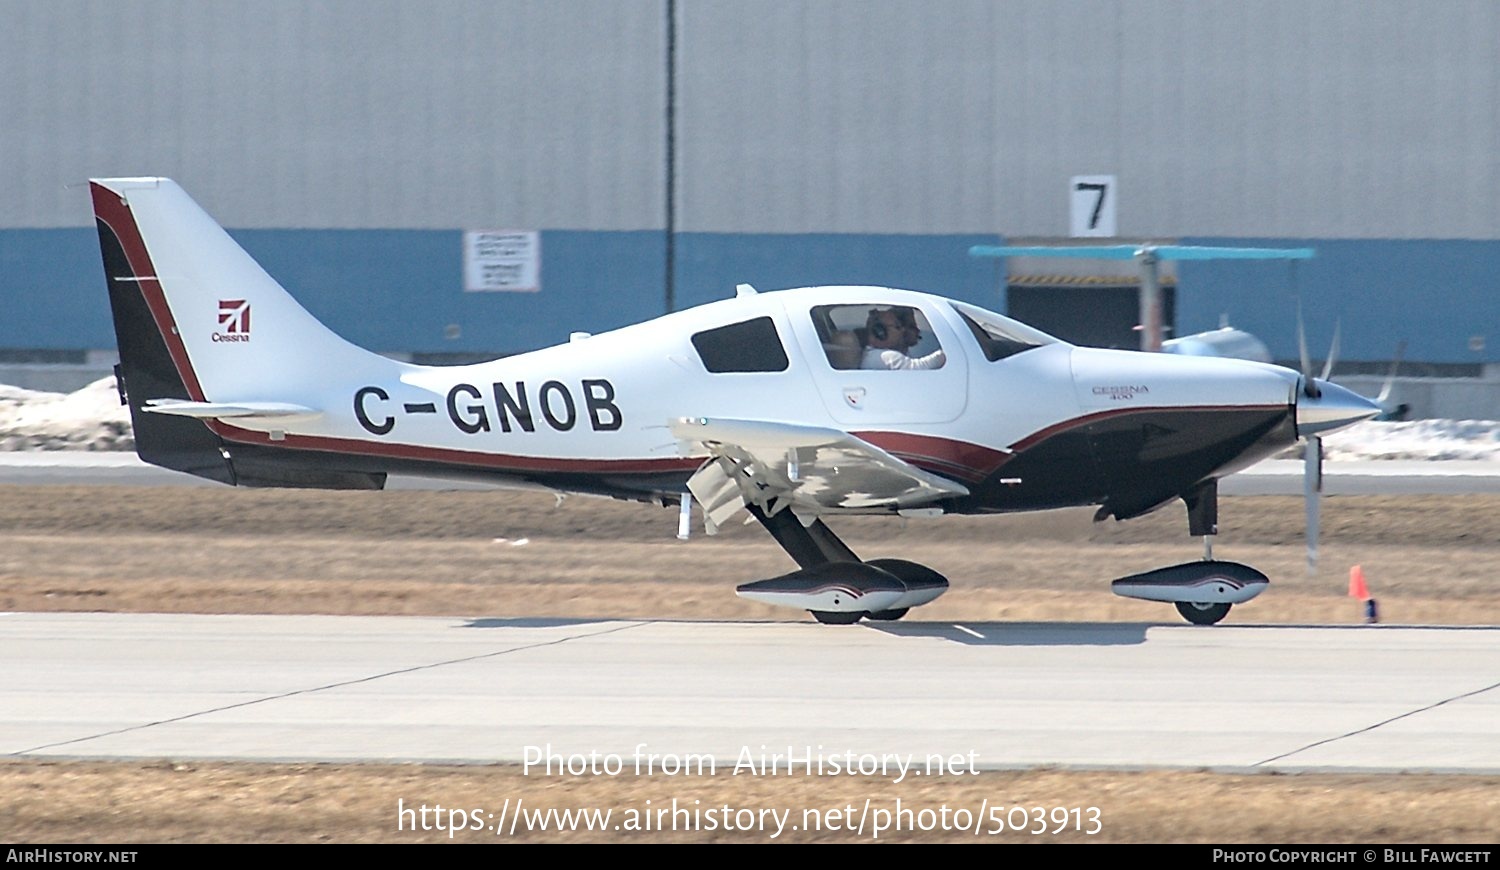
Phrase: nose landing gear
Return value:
(1205, 590)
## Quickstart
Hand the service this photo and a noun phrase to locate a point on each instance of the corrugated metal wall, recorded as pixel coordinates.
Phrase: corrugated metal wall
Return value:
(345, 113)
(1324, 118)
(1328, 118)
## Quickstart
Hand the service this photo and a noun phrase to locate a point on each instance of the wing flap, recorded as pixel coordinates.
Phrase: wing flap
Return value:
(811, 469)
(717, 492)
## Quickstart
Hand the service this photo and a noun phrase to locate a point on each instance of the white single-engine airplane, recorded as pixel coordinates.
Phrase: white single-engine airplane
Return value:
(795, 406)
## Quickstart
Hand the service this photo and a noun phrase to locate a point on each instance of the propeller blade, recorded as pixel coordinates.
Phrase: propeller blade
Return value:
(1390, 379)
(1312, 496)
(1333, 349)
(1309, 385)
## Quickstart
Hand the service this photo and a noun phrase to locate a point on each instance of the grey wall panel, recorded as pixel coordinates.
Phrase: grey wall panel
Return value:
(835, 116)
(1330, 118)
(349, 113)
(1271, 118)
(1333, 119)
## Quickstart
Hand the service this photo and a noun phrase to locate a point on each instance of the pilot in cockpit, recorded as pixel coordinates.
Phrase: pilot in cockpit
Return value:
(889, 334)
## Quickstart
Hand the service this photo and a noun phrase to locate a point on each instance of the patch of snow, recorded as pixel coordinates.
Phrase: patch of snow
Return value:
(91, 418)
(1430, 440)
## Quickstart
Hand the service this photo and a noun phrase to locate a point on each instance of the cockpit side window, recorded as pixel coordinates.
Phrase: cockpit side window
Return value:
(748, 346)
(877, 337)
(1000, 337)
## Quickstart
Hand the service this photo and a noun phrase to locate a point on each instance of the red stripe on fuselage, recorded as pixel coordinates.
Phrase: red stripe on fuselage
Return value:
(944, 456)
(497, 461)
(972, 462)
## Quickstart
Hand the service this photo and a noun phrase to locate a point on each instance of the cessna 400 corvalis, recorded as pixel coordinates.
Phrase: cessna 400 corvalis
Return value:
(797, 406)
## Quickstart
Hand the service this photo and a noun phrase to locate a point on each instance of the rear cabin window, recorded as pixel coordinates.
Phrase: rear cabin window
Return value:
(751, 346)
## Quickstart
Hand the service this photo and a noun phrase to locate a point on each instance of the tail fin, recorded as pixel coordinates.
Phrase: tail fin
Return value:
(198, 320)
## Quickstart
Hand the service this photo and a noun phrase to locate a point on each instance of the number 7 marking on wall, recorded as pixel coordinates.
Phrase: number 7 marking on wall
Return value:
(1091, 206)
(1098, 203)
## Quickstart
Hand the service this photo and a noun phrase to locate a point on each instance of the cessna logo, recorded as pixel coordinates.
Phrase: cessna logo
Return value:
(1122, 393)
(234, 320)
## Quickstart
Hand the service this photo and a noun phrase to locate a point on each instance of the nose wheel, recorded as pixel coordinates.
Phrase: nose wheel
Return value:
(1202, 614)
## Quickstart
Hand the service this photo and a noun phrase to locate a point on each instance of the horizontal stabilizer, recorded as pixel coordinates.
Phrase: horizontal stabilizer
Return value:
(226, 410)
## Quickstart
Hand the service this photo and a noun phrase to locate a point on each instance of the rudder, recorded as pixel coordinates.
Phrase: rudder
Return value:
(147, 368)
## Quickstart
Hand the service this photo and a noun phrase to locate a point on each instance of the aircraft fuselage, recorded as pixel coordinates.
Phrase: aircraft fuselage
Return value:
(1053, 426)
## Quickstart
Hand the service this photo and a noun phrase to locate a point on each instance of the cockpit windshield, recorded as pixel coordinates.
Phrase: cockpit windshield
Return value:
(999, 336)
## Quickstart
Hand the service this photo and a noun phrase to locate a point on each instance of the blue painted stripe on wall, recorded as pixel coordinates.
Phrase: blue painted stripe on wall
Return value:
(52, 290)
(399, 289)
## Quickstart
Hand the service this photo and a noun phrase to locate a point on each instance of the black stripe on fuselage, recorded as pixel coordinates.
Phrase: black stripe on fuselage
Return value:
(1132, 462)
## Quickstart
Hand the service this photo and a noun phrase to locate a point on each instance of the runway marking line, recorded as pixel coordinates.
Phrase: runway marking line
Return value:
(338, 685)
(1367, 728)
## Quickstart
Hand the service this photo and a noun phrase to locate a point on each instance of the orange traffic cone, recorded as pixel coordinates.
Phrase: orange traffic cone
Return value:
(1357, 587)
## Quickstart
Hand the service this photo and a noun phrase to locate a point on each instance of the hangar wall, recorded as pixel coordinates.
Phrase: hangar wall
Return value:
(1324, 119)
(816, 141)
(382, 114)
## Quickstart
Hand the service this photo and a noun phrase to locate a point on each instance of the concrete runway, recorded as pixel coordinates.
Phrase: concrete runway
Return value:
(995, 695)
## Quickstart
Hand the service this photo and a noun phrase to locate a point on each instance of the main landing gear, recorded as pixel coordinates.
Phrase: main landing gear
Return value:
(1205, 590)
(835, 585)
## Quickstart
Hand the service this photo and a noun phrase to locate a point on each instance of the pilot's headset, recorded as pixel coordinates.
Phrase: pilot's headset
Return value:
(875, 326)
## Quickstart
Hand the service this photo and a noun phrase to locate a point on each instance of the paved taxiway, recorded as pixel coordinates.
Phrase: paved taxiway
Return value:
(1375, 698)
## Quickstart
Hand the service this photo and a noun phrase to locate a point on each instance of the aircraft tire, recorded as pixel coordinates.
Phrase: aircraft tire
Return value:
(1202, 614)
(888, 615)
(834, 617)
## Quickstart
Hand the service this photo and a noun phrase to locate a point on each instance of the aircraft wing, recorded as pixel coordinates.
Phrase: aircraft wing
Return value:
(811, 469)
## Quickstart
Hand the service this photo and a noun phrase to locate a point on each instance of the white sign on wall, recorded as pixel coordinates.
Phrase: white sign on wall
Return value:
(502, 260)
(1091, 206)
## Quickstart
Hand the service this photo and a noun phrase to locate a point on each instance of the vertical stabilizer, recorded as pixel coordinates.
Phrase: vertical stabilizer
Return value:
(197, 319)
